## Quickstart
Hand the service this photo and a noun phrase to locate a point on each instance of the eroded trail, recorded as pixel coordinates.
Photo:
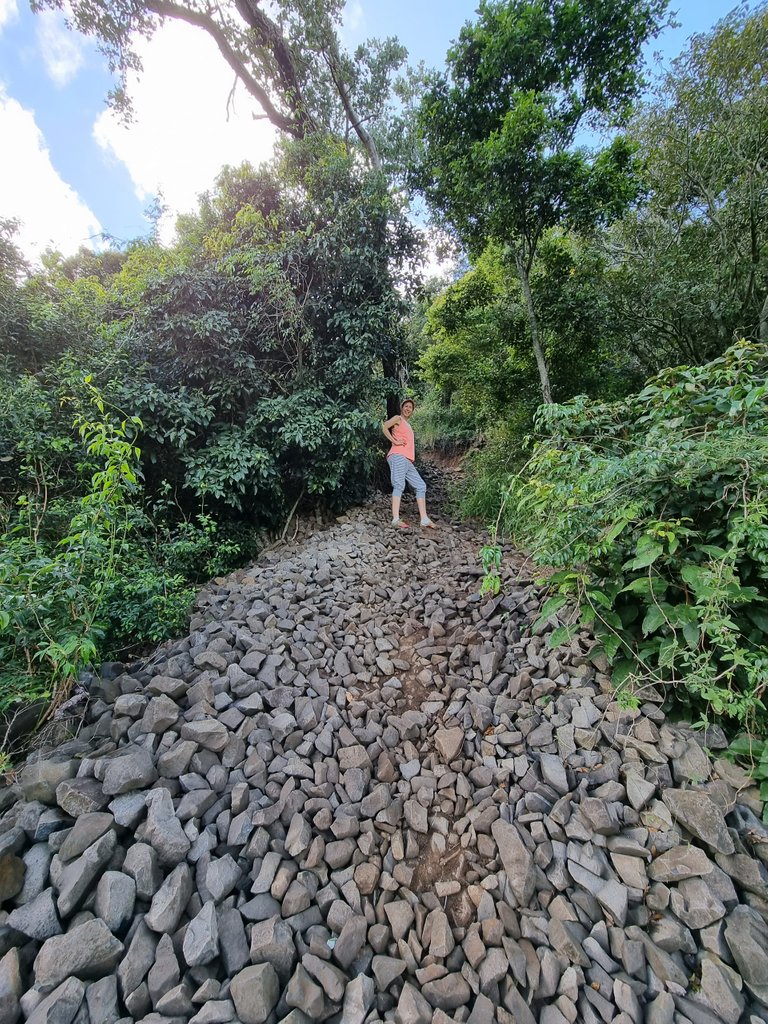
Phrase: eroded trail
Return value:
(359, 791)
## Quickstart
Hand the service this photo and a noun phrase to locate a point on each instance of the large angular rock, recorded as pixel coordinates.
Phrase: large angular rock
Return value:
(208, 733)
(747, 936)
(11, 987)
(164, 974)
(255, 991)
(412, 1007)
(272, 943)
(37, 862)
(721, 989)
(447, 993)
(358, 999)
(163, 828)
(517, 861)
(89, 950)
(80, 796)
(137, 961)
(84, 833)
(40, 777)
(201, 939)
(303, 993)
(38, 918)
(330, 978)
(142, 866)
(449, 743)
(678, 863)
(115, 899)
(233, 942)
(79, 876)
(61, 1006)
(101, 998)
(170, 901)
(132, 770)
(701, 816)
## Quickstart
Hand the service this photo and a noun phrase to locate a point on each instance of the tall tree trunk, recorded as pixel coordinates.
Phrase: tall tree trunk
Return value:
(763, 329)
(389, 368)
(533, 323)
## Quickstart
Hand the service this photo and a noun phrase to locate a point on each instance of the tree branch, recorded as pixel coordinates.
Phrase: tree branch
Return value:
(168, 9)
(355, 121)
(269, 36)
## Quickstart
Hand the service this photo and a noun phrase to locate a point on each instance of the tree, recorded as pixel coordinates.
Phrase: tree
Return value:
(499, 128)
(292, 63)
(479, 353)
(692, 263)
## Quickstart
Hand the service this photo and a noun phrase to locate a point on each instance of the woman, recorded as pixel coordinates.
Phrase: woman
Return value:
(401, 468)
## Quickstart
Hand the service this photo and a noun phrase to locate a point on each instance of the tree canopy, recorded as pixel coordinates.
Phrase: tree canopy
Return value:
(500, 126)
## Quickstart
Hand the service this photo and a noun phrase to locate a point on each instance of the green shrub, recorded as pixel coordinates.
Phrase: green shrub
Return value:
(147, 606)
(655, 512)
(488, 468)
(52, 590)
(443, 427)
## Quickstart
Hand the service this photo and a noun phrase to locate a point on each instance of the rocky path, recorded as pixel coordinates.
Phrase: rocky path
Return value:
(359, 792)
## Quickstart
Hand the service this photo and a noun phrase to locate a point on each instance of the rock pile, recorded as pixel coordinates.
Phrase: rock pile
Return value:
(357, 791)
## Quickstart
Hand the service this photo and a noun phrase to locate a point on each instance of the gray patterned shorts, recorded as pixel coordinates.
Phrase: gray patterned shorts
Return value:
(403, 471)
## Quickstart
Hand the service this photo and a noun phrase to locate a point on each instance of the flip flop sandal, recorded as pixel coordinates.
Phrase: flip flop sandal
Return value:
(401, 525)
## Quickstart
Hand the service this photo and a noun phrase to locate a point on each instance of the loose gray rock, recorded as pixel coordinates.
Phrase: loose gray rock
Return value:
(255, 991)
(170, 901)
(130, 771)
(517, 861)
(88, 950)
(115, 899)
(747, 936)
(697, 813)
(38, 918)
(61, 1006)
(201, 939)
(11, 987)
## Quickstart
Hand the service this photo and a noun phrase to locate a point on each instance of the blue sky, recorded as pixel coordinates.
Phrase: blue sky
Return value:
(69, 170)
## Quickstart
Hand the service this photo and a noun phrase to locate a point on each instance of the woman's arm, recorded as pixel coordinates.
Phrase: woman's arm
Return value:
(387, 427)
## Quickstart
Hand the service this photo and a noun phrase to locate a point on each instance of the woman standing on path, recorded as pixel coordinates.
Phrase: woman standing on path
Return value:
(401, 457)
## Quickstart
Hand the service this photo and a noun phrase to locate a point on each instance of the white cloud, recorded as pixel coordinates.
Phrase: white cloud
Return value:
(9, 11)
(62, 49)
(181, 136)
(352, 23)
(31, 190)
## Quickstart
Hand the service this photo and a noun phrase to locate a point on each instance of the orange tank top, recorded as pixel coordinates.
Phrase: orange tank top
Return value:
(403, 431)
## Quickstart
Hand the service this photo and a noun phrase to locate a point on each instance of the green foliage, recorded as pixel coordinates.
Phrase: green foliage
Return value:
(478, 355)
(52, 589)
(655, 512)
(690, 265)
(488, 469)
(500, 164)
(253, 359)
(442, 426)
(490, 557)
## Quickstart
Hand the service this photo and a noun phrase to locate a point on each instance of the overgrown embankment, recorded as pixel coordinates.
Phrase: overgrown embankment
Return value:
(654, 511)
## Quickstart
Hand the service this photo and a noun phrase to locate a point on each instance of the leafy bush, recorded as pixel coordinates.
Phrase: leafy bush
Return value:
(147, 606)
(443, 426)
(52, 591)
(488, 468)
(654, 511)
(150, 597)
